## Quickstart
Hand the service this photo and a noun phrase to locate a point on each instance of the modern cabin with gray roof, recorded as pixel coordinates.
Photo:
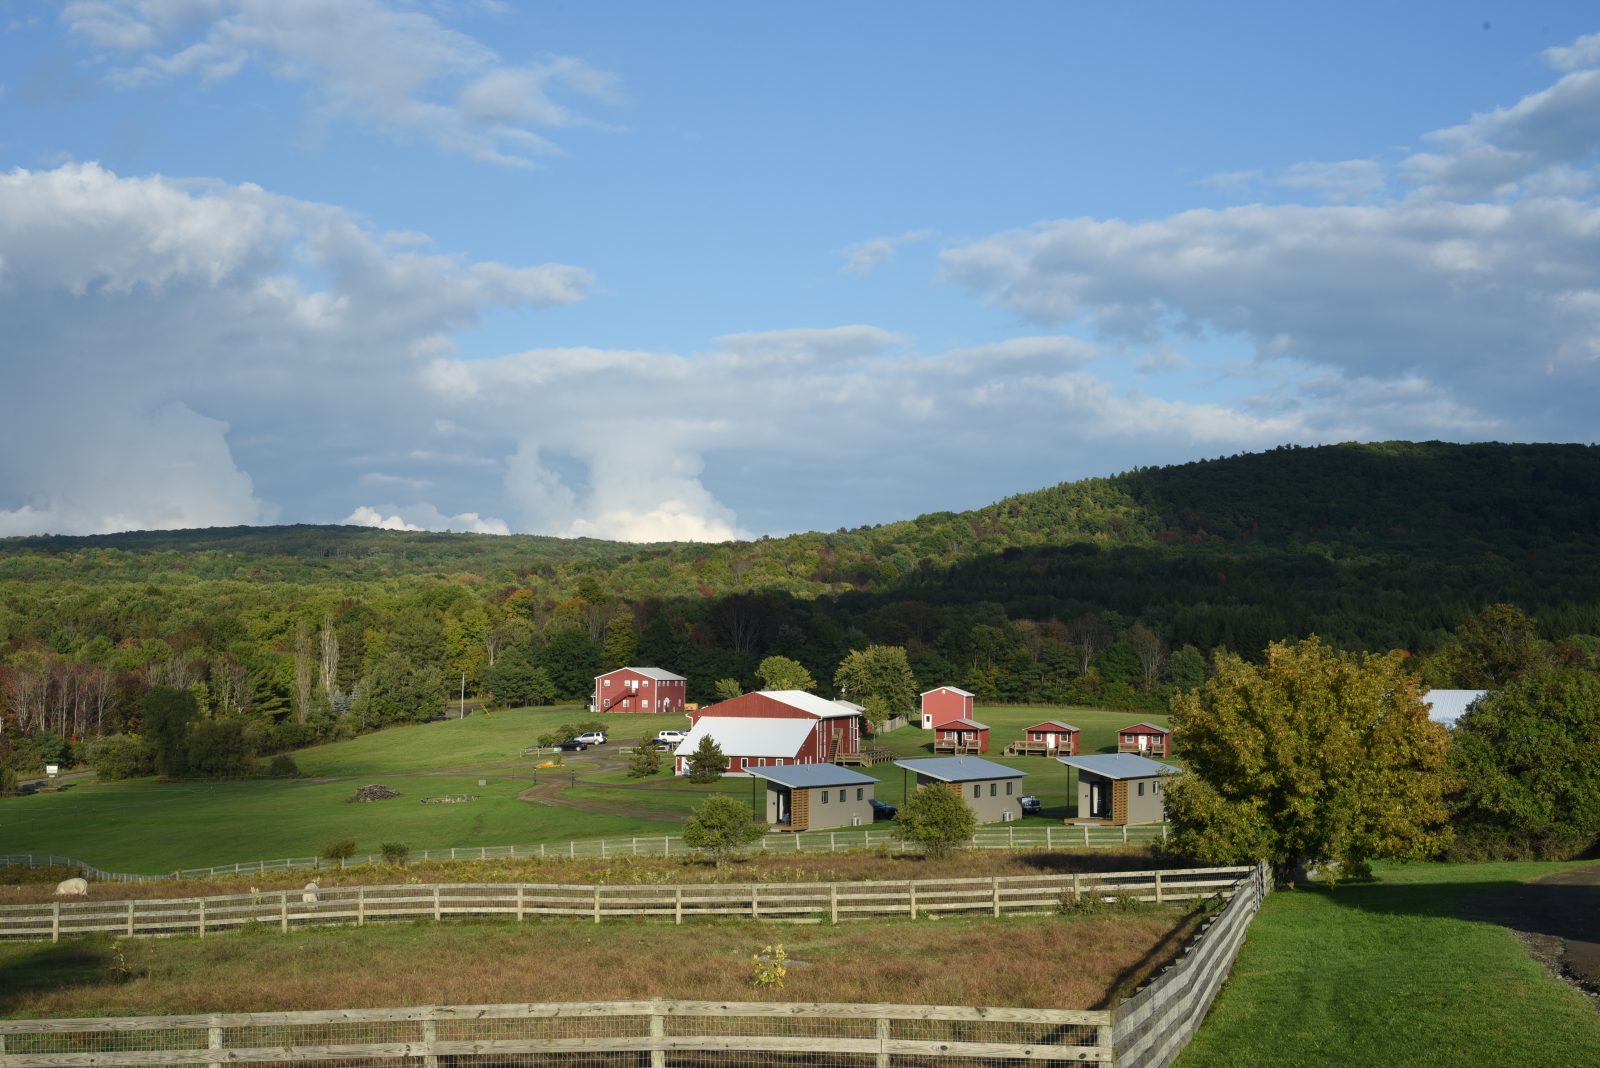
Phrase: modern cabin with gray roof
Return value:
(813, 797)
(1119, 789)
(993, 791)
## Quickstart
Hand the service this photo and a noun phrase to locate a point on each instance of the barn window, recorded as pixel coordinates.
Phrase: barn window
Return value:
(606, 683)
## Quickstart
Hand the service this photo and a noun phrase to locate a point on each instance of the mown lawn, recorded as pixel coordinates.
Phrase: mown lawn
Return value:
(147, 826)
(1391, 973)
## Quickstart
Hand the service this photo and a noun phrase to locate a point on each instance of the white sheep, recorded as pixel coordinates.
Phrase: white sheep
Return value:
(73, 888)
(309, 897)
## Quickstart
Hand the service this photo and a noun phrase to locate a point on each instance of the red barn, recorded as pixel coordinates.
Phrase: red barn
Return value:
(635, 689)
(961, 737)
(1050, 738)
(774, 728)
(944, 704)
(1146, 739)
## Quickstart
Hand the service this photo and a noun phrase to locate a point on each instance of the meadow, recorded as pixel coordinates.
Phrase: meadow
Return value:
(1395, 971)
(149, 826)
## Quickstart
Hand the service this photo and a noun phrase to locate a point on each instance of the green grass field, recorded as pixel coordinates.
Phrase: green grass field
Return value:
(146, 826)
(1390, 973)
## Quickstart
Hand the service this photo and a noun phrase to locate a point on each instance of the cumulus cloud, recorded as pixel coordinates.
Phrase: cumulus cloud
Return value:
(423, 516)
(871, 254)
(367, 61)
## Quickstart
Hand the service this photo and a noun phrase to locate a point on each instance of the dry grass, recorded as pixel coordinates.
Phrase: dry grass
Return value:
(800, 868)
(1077, 961)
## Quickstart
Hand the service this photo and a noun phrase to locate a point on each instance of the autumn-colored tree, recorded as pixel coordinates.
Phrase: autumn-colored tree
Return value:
(1314, 758)
(878, 678)
(726, 689)
(781, 673)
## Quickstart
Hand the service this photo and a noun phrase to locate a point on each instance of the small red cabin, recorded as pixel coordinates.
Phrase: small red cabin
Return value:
(1050, 738)
(1146, 739)
(961, 737)
(944, 704)
(635, 689)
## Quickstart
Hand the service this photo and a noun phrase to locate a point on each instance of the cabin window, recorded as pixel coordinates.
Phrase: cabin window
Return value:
(977, 789)
(861, 793)
(1141, 789)
(824, 797)
(994, 789)
(1008, 788)
(841, 797)
(1155, 788)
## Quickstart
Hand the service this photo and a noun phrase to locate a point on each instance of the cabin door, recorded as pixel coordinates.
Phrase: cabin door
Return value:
(1050, 740)
(1098, 808)
(782, 797)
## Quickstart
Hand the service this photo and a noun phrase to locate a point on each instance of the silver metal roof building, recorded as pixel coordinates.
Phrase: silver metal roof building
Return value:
(805, 776)
(1119, 765)
(959, 769)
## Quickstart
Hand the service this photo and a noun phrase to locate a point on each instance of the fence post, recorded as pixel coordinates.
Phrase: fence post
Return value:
(361, 906)
(430, 1035)
(1077, 889)
(1086, 836)
(913, 888)
(883, 1042)
(596, 902)
(438, 913)
(996, 883)
(832, 844)
(202, 922)
(55, 921)
(1124, 834)
(1049, 837)
(519, 903)
(755, 904)
(1011, 838)
(130, 919)
(833, 902)
(677, 905)
(283, 911)
(1158, 888)
(1105, 1037)
(214, 1040)
(658, 1034)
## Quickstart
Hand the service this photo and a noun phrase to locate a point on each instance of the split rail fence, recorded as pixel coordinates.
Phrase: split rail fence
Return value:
(777, 902)
(1085, 836)
(1147, 1030)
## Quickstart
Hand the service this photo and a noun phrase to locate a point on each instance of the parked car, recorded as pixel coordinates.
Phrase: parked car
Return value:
(882, 810)
(592, 738)
(573, 745)
(671, 736)
(1030, 805)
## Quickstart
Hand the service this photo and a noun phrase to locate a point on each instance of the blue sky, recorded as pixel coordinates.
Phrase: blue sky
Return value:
(708, 270)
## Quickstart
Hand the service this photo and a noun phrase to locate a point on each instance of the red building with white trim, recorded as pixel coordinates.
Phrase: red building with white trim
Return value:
(944, 704)
(772, 728)
(961, 737)
(1146, 739)
(634, 689)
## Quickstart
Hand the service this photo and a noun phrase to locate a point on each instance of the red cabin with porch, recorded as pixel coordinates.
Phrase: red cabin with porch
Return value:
(961, 737)
(1050, 738)
(1146, 739)
(635, 689)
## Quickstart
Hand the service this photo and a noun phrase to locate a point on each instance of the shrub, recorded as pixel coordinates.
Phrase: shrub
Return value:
(720, 826)
(936, 819)
(341, 850)
(218, 750)
(8, 782)
(771, 966)
(395, 852)
(120, 756)
(283, 767)
(646, 759)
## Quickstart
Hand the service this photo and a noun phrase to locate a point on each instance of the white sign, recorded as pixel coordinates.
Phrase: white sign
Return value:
(52, 770)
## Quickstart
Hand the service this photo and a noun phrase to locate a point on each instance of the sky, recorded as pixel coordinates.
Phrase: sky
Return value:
(703, 271)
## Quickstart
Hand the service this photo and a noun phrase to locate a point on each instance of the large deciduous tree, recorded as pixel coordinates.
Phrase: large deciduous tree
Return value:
(781, 673)
(1527, 761)
(1314, 758)
(879, 679)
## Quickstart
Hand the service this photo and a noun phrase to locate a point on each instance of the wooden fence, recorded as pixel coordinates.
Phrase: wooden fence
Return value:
(781, 902)
(1154, 1025)
(1026, 836)
(656, 1032)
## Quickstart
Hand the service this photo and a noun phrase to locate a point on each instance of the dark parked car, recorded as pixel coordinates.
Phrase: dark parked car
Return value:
(882, 810)
(573, 745)
(1030, 805)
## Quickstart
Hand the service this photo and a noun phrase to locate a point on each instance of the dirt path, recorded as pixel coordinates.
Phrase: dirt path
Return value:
(1558, 919)
(548, 792)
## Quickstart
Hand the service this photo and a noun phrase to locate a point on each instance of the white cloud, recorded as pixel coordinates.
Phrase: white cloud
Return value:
(423, 516)
(809, 345)
(871, 254)
(367, 61)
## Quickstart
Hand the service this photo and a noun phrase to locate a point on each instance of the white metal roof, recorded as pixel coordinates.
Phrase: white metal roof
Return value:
(650, 673)
(803, 776)
(952, 689)
(1119, 765)
(1446, 706)
(959, 769)
(820, 707)
(749, 736)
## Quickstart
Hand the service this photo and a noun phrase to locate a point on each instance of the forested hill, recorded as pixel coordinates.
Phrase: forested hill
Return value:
(1044, 596)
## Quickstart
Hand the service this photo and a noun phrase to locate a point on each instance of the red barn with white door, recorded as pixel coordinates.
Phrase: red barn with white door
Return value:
(945, 704)
(835, 730)
(634, 689)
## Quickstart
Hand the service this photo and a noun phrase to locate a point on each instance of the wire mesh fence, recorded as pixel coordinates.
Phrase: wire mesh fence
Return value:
(834, 902)
(1025, 836)
(656, 1032)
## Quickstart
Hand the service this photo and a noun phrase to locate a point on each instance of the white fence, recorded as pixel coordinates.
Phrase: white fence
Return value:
(1027, 836)
(284, 910)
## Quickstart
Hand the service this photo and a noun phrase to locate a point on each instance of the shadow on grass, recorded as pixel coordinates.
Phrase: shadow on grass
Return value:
(1099, 861)
(41, 969)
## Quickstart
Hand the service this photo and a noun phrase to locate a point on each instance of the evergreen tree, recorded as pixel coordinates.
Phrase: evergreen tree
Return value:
(707, 762)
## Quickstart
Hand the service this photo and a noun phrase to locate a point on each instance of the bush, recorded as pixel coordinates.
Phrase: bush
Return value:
(720, 826)
(120, 756)
(395, 852)
(341, 850)
(8, 782)
(936, 819)
(646, 759)
(283, 767)
(218, 750)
